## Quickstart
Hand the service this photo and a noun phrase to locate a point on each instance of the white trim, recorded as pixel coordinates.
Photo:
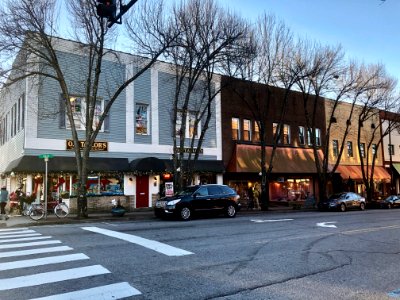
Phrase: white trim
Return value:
(155, 126)
(130, 95)
(218, 120)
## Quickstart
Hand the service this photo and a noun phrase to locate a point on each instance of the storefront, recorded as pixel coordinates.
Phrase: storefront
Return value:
(293, 176)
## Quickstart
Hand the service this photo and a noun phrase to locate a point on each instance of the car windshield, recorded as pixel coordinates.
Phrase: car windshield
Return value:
(337, 196)
(187, 191)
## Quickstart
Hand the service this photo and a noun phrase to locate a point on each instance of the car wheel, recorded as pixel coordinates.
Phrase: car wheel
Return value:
(362, 205)
(343, 207)
(389, 205)
(230, 211)
(185, 213)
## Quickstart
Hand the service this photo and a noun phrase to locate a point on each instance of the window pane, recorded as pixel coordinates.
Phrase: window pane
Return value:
(178, 125)
(286, 134)
(192, 125)
(349, 149)
(335, 146)
(235, 129)
(317, 136)
(246, 130)
(256, 135)
(301, 135)
(141, 119)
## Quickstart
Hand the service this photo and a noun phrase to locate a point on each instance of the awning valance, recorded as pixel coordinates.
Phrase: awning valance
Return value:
(148, 164)
(33, 164)
(355, 173)
(286, 160)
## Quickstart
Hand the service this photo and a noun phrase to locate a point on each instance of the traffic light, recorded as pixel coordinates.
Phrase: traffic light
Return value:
(106, 9)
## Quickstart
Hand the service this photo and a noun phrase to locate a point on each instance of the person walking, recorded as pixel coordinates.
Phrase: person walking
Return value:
(3, 202)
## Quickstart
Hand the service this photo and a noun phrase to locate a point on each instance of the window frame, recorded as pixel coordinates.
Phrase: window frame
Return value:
(350, 149)
(145, 121)
(82, 114)
(335, 148)
(237, 120)
(256, 136)
(391, 149)
(246, 132)
(362, 149)
(302, 135)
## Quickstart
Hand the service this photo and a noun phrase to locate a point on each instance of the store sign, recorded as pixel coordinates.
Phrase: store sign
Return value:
(187, 150)
(97, 146)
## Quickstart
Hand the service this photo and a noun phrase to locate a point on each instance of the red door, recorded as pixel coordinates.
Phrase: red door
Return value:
(142, 191)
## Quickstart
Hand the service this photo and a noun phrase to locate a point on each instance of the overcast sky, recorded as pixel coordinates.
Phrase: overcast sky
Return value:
(368, 30)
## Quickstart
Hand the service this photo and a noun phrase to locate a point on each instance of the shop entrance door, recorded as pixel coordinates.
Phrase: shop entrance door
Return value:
(142, 191)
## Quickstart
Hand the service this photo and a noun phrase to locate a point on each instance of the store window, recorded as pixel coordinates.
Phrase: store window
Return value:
(349, 149)
(335, 148)
(256, 135)
(362, 150)
(142, 117)
(78, 107)
(235, 129)
(302, 135)
(246, 130)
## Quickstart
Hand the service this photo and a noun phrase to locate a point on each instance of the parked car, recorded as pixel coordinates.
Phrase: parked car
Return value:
(199, 198)
(391, 201)
(343, 201)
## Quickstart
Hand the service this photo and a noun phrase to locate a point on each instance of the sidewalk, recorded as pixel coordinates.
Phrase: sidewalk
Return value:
(136, 215)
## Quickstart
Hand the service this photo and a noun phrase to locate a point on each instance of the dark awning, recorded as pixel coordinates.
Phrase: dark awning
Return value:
(148, 164)
(32, 164)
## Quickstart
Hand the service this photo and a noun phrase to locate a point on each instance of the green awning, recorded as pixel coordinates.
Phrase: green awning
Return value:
(396, 167)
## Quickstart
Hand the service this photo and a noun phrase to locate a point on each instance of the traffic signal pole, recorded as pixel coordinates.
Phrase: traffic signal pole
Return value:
(122, 10)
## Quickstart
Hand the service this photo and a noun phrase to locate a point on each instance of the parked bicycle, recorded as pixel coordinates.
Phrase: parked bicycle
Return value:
(36, 211)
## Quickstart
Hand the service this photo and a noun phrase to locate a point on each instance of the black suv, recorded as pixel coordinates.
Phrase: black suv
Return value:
(210, 197)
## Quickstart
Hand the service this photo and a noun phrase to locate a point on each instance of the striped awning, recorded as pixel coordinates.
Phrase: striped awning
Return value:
(246, 158)
(355, 173)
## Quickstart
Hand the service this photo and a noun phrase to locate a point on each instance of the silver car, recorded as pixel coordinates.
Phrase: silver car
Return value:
(343, 201)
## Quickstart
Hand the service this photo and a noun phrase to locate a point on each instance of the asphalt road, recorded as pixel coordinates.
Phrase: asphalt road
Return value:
(303, 255)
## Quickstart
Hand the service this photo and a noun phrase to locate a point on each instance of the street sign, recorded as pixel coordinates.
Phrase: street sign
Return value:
(46, 156)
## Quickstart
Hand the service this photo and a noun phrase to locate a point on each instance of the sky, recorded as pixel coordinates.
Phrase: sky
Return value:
(368, 30)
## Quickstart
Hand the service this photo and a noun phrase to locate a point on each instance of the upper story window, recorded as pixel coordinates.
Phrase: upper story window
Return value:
(349, 149)
(235, 129)
(309, 135)
(78, 107)
(246, 130)
(373, 148)
(362, 150)
(256, 135)
(142, 119)
(391, 149)
(317, 137)
(193, 125)
(335, 148)
(302, 137)
(286, 134)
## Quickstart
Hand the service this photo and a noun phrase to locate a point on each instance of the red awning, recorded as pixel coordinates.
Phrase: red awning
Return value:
(246, 158)
(355, 173)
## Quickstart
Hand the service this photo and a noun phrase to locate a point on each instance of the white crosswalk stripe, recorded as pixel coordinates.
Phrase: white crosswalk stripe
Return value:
(23, 237)
(111, 291)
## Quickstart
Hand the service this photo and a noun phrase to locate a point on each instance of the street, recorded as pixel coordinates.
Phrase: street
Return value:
(286, 255)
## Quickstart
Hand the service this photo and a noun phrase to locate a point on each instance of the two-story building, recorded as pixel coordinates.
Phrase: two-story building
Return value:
(294, 173)
(132, 154)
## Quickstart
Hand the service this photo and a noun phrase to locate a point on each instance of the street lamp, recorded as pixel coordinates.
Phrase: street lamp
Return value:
(46, 158)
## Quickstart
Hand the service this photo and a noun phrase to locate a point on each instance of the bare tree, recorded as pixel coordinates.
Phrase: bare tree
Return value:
(207, 35)
(29, 31)
(379, 96)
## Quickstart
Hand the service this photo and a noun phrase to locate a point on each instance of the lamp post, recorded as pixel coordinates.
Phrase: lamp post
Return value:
(46, 158)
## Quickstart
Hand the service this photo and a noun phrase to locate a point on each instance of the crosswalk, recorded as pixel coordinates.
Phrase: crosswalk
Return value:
(22, 250)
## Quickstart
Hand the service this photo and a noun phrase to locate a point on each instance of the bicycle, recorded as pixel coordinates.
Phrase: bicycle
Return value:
(36, 211)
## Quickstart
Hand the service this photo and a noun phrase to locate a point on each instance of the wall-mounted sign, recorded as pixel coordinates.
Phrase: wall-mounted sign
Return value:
(97, 146)
(187, 150)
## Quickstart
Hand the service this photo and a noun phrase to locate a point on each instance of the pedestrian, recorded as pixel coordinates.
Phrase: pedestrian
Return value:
(3, 201)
